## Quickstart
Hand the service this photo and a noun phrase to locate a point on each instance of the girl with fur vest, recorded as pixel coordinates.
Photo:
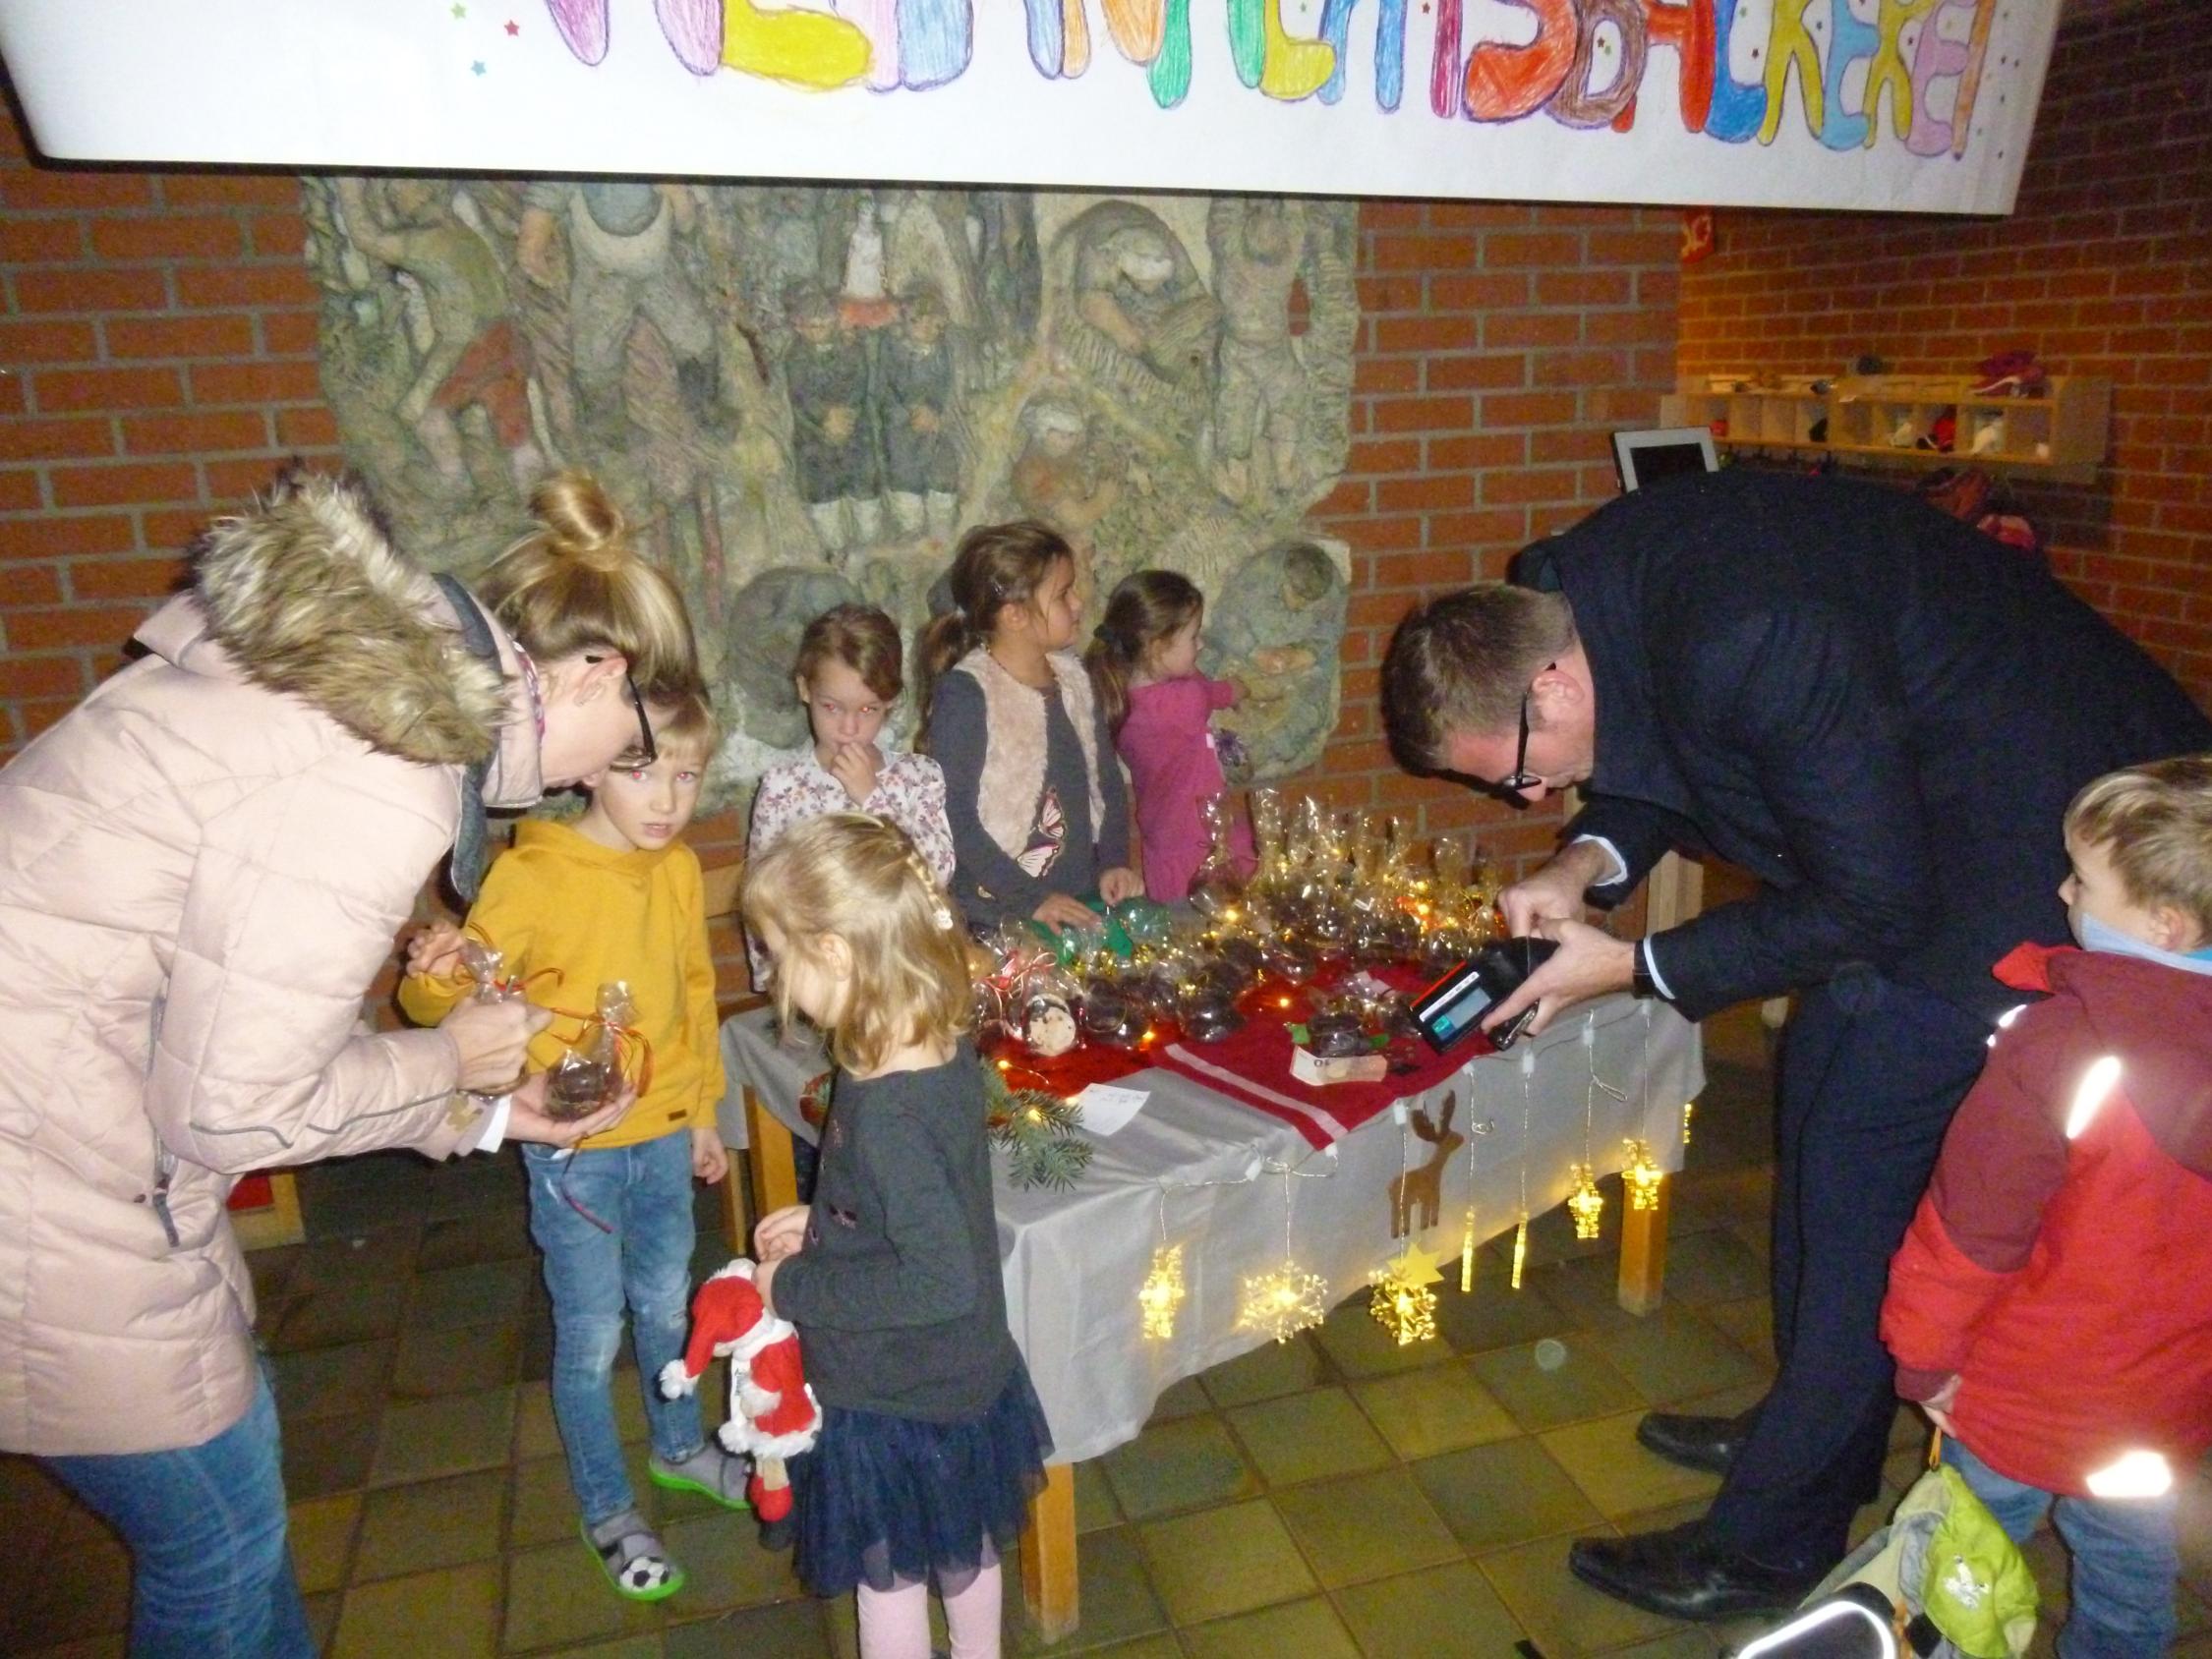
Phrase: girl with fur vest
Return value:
(201, 867)
(1039, 814)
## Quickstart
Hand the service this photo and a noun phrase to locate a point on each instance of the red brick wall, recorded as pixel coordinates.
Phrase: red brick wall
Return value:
(2105, 268)
(157, 361)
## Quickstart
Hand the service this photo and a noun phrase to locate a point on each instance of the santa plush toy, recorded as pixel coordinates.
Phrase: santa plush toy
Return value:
(773, 1413)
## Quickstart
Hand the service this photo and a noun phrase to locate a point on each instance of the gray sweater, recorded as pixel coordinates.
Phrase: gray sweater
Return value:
(990, 886)
(896, 1294)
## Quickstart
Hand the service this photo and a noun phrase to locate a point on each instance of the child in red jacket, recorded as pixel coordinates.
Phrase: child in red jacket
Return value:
(2052, 1305)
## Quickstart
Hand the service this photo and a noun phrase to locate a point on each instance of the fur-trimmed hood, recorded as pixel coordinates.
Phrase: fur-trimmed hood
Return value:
(305, 595)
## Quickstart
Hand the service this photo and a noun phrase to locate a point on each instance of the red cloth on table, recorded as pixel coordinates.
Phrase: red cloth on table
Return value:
(1252, 1064)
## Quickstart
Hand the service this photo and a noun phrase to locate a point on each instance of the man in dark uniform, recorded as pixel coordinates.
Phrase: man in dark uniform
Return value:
(1882, 714)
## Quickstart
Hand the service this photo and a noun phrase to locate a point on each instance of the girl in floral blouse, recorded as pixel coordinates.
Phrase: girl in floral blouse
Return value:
(849, 677)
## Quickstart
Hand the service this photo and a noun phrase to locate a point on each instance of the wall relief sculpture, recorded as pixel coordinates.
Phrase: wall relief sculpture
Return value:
(803, 394)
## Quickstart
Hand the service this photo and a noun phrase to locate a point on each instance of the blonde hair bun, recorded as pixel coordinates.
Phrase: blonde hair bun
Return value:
(581, 520)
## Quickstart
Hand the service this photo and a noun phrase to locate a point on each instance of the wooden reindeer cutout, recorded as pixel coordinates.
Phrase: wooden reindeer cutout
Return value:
(1425, 1187)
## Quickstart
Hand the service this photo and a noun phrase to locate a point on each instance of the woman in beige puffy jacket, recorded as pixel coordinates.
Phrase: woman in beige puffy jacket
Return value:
(201, 869)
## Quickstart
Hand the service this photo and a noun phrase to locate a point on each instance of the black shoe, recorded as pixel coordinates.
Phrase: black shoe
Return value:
(1678, 1573)
(1709, 1443)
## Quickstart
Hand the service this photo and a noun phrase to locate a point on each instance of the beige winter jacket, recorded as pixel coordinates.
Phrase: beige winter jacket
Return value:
(201, 867)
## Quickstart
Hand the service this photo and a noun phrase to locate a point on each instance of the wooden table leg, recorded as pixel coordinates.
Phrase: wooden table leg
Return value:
(1048, 1557)
(1643, 1252)
(768, 1150)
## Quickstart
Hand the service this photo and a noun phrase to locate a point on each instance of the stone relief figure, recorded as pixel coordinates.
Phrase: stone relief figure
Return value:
(471, 355)
(623, 269)
(801, 394)
(916, 411)
(771, 612)
(826, 372)
(1276, 626)
(1134, 316)
(1259, 386)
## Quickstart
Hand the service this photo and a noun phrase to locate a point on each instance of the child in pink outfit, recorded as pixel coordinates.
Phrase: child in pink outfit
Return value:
(1144, 663)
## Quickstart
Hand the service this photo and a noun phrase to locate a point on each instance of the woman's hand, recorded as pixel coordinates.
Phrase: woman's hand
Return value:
(493, 1040)
(781, 1232)
(434, 952)
(527, 1119)
(710, 1159)
(1060, 911)
(1120, 883)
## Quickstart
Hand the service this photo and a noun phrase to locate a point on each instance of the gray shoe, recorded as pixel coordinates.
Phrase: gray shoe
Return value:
(637, 1563)
(709, 1472)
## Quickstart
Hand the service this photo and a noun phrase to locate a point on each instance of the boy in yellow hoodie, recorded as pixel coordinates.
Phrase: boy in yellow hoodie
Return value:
(616, 895)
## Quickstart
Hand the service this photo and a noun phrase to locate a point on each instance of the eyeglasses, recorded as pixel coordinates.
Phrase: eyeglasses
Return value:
(1520, 777)
(647, 750)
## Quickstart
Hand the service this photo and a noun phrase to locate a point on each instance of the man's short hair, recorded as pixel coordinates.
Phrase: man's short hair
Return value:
(1461, 664)
(2155, 825)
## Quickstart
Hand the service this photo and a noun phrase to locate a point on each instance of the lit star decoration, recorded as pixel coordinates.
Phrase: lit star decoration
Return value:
(460, 11)
(1641, 1177)
(1586, 1203)
(1161, 1294)
(1403, 1303)
(1284, 1303)
(477, 67)
(514, 27)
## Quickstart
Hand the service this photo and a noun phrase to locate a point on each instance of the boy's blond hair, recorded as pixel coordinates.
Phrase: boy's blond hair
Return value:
(686, 721)
(2155, 825)
(860, 879)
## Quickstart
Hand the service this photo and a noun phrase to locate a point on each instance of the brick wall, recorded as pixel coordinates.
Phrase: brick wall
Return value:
(157, 361)
(2106, 268)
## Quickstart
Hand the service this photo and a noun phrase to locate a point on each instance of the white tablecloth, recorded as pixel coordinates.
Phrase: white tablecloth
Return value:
(1074, 1260)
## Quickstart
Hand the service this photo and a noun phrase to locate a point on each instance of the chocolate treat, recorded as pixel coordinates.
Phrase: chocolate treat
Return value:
(1242, 954)
(1334, 1035)
(1209, 1015)
(1112, 1016)
(577, 1087)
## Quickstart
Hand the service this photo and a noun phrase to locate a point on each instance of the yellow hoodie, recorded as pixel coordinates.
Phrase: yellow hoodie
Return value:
(560, 900)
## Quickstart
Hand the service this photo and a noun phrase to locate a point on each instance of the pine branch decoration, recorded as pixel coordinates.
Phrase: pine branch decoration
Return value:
(1036, 1129)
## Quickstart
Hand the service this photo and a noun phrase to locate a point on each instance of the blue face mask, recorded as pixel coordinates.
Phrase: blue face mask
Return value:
(2099, 936)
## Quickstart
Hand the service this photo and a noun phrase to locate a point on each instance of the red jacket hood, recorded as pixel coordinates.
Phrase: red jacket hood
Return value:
(2157, 1019)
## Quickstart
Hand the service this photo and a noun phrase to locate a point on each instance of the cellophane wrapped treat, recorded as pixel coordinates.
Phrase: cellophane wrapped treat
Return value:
(590, 1074)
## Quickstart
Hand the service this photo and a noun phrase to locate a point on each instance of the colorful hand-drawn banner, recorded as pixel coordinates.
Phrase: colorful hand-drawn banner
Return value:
(1912, 104)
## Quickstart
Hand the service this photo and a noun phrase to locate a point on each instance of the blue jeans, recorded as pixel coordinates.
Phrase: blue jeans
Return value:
(615, 1228)
(212, 1567)
(2125, 1559)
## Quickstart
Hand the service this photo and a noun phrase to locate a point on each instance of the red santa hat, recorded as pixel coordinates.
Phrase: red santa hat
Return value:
(727, 1318)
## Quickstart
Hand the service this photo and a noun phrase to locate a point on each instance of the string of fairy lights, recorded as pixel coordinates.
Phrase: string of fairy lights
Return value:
(1288, 1297)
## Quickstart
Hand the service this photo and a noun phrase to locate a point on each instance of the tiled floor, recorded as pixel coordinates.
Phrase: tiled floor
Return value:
(1332, 1496)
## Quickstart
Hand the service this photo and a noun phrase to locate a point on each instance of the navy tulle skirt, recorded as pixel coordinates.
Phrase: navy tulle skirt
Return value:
(882, 1501)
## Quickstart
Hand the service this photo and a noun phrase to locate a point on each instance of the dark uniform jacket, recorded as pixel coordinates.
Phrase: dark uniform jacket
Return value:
(1876, 709)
